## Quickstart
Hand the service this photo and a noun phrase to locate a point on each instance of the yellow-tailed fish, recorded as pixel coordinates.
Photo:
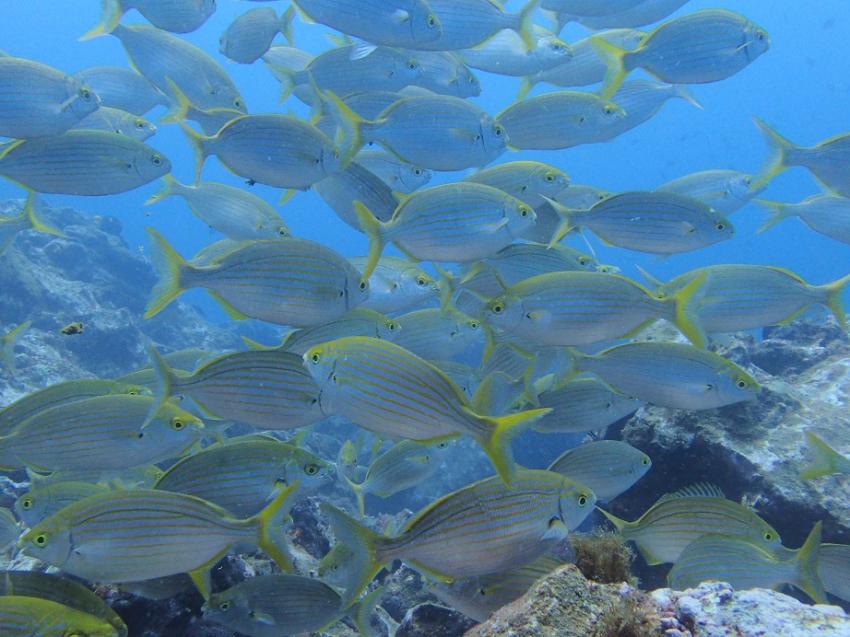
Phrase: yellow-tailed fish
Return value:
(250, 35)
(641, 100)
(126, 536)
(744, 564)
(82, 162)
(438, 334)
(117, 121)
(507, 54)
(122, 88)
(386, 389)
(468, 23)
(654, 222)
(679, 518)
(232, 211)
(103, 433)
(525, 180)
(399, 175)
(671, 375)
(9, 530)
(834, 568)
(44, 499)
(482, 528)
(39, 100)
(706, 46)
(827, 214)
(177, 16)
(575, 197)
(22, 616)
(825, 460)
(607, 467)
(342, 189)
(244, 475)
(366, 104)
(8, 341)
(646, 12)
(262, 388)
(211, 120)
(11, 226)
(445, 73)
(459, 222)
(726, 191)
(583, 404)
(185, 360)
(396, 284)
(288, 281)
(560, 119)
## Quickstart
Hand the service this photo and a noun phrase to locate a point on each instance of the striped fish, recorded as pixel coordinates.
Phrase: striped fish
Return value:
(62, 591)
(744, 564)
(671, 375)
(82, 162)
(399, 175)
(654, 222)
(444, 73)
(468, 23)
(243, 475)
(579, 197)
(103, 433)
(437, 334)
(521, 261)
(458, 222)
(679, 518)
(267, 389)
(177, 16)
(641, 100)
(126, 536)
(288, 282)
(22, 616)
(9, 530)
(122, 88)
(827, 214)
(607, 467)
(396, 284)
(507, 54)
(117, 121)
(250, 35)
(480, 529)
(386, 389)
(44, 499)
(357, 183)
(583, 404)
(726, 191)
(834, 569)
(525, 180)
(646, 12)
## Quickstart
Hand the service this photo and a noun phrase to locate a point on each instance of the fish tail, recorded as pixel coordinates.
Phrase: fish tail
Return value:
(780, 147)
(357, 489)
(198, 143)
(168, 189)
(349, 122)
(286, 21)
(35, 223)
(361, 612)
(110, 15)
(7, 346)
(614, 59)
(566, 224)
(286, 77)
(619, 523)
(834, 303)
(807, 556)
(164, 382)
(482, 399)
(683, 92)
(364, 545)
(497, 442)
(825, 459)
(169, 266)
(256, 345)
(686, 316)
(778, 212)
(525, 86)
(372, 227)
(270, 536)
(525, 24)
(181, 106)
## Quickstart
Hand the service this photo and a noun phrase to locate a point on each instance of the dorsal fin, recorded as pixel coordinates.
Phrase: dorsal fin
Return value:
(696, 490)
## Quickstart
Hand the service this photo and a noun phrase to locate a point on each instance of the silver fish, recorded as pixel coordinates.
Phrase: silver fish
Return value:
(122, 88)
(250, 35)
(397, 284)
(607, 467)
(399, 175)
(117, 121)
(583, 404)
(726, 191)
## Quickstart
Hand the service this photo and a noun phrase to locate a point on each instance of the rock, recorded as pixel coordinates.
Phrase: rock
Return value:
(433, 620)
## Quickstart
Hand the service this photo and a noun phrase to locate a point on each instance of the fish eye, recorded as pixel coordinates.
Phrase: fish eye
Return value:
(363, 285)
(417, 172)
(761, 35)
(237, 103)
(40, 540)
(768, 536)
(432, 21)
(748, 180)
(412, 65)
(550, 177)
(497, 308)
(282, 231)
(741, 384)
(177, 423)
(26, 503)
(421, 282)
(498, 130)
(443, 445)
(645, 461)
(524, 212)
(140, 124)
(156, 160)
(315, 358)
(609, 109)
(391, 326)
(473, 325)
(311, 469)
(582, 500)
(720, 225)
(86, 94)
(225, 606)
(556, 47)
(133, 392)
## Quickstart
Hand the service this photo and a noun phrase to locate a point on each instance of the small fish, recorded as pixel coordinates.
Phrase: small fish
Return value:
(386, 389)
(468, 23)
(250, 35)
(833, 567)
(266, 389)
(22, 616)
(459, 222)
(72, 329)
(288, 282)
(646, 12)
(117, 121)
(122, 88)
(396, 284)
(480, 529)
(43, 500)
(664, 531)
(399, 175)
(726, 191)
(507, 54)
(438, 334)
(701, 47)
(7, 347)
(607, 467)
(825, 460)
(641, 100)
(177, 16)
(244, 474)
(671, 375)
(520, 261)
(560, 119)
(356, 183)
(583, 404)
(151, 534)
(232, 211)
(444, 72)
(645, 221)
(528, 181)
(744, 565)
(82, 162)
(103, 433)
(827, 214)
(590, 8)
(9, 530)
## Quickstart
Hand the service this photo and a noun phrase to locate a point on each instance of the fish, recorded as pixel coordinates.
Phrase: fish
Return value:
(275, 150)
(356, 183)
(22, 616)
(575, 196)
(288, 281)
(43, 500)
(72, 329)
(528, 181)
(403, 466)
(177, 16)
(558, 120)
(438, 334)
(827, 214)
(833, 566)
(647, 12)
(39, 100)
(182, 534)
(265, 389)
(9, 530)
(399, 175)
(160, 588)
(234, 212)
(583, 404)
(825, 460)
(507, 54)
(396, 284)
(578, 308)
(117, 121)
(606, 467)
(742, 297)
(458, 222)
(82, 162)
(444, 72)
(8, 341)
(744, 564)
(62, 591)
(641, 100)
(468, 23)
(384, 388)
(827, 160)
(103, 433)
(122, 88)
(243, 475)
(726, 191)
(676, 519)
(698, 48)
(590, 8)
(482, 528)
(646, 221)
(250, 35)
(520, 261)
